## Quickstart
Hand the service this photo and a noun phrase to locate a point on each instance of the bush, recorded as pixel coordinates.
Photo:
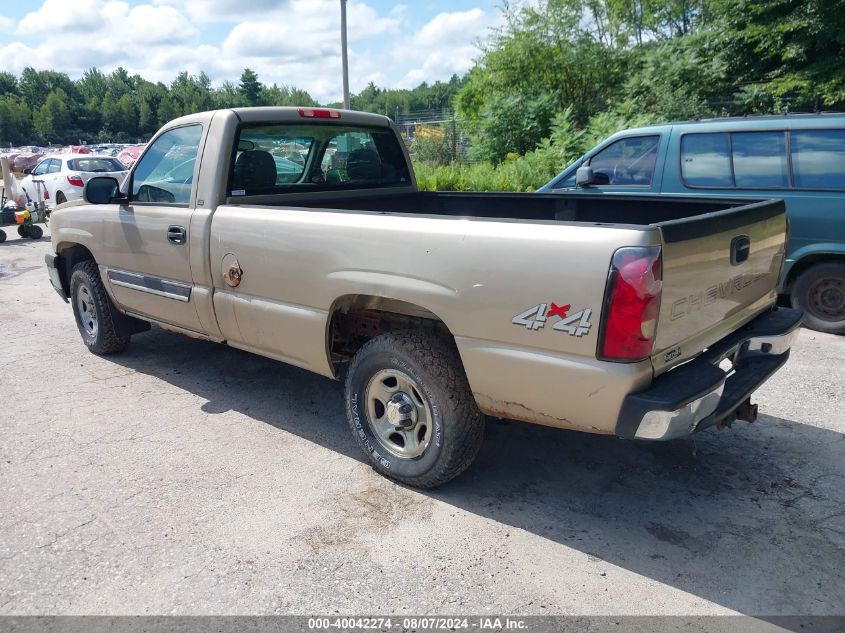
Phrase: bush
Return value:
(535, 168)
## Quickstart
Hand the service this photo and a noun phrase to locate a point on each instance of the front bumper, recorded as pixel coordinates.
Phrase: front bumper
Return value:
(698, 394)
(53, 262)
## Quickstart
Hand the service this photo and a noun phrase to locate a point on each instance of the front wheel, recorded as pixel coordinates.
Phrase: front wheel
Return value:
(411, 410)
(92, 310)
(820, 292)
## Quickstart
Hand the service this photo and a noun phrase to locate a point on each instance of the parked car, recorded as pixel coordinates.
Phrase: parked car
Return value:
(65, 175)
(436, 308)
(799, 158)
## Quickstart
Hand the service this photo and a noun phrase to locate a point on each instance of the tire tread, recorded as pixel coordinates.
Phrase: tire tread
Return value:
(439, 357)
(107, 341)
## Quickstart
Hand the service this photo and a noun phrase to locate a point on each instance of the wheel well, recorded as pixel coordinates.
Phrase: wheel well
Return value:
(70, 256)
(355, 319)
(806, 262)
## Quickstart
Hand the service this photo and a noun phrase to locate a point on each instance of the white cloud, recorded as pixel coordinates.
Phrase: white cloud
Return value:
(6, 24)
(445, 45)
(293, 42)
(223, 10)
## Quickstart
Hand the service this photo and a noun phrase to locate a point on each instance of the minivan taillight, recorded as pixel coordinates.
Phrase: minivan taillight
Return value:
(631, 304)
(76, 181)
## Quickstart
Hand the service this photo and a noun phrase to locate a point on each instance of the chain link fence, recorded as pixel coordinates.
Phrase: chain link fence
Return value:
(437, 137)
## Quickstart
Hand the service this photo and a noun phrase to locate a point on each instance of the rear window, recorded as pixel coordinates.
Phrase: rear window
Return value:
(283, 158)
(95, 165)
(818, 159)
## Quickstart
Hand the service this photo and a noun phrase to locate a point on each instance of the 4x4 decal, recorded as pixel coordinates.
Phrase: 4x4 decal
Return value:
(575, 324)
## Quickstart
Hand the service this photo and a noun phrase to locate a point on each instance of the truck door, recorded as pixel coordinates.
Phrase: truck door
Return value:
(145, 256)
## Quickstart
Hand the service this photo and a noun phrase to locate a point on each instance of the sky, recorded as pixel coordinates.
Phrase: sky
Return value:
(291, 42)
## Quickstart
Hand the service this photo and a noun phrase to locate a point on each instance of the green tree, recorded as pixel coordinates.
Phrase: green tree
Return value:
(250, 88)
(15, 121)
(53, 118)
(8, 84)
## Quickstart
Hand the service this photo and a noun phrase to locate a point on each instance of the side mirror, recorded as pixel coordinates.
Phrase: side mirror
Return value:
(584, 176)
(27, 172)
(103, 190)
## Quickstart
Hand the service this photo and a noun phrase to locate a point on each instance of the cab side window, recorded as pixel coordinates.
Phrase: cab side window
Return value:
(164, 175)
(628, 161)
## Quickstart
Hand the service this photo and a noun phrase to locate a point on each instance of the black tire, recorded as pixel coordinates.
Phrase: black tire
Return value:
(433, 366)
(88, 298)
(820, 292)
(35, 232)
(60, 198)
(23, 230)
(2, 236)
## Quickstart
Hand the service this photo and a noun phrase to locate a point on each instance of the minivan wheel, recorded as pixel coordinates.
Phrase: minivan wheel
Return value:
(411, 410)
(92, 310)
(820, 292)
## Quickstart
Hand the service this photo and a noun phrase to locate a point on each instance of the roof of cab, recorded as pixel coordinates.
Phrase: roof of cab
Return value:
(279, 114)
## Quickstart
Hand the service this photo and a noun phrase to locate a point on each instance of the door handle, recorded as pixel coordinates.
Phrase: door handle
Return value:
(177, 234)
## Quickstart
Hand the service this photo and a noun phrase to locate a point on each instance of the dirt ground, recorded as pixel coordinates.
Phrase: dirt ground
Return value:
(184, 477)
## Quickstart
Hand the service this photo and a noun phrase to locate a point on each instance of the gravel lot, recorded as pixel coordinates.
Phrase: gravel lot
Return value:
(186, 477)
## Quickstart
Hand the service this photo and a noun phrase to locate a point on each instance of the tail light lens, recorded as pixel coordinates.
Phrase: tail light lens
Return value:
(46, 195)
(76, 181)
(631, 304)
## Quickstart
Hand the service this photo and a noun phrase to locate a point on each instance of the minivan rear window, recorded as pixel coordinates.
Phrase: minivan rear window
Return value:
(759, 160)
(818, 159)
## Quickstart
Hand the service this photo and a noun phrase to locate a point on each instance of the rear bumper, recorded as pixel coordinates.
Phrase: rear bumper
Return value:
(52, 260)
(698, 394)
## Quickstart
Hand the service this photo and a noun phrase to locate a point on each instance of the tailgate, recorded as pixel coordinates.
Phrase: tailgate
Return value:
(719, 271)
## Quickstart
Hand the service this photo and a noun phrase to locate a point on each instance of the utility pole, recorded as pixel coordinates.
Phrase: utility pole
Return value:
(343, 54)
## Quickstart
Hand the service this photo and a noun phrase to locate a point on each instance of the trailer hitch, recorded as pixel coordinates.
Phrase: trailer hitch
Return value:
(746, 412)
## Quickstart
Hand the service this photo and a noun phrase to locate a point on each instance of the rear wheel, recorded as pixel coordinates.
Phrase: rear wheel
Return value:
(23, 230)
(411, 410)
(60, 198)
(93, 310)
(820, 292)
(35, 232)
(2, 236)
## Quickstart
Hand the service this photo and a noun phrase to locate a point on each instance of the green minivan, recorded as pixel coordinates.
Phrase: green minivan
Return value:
(799, 158)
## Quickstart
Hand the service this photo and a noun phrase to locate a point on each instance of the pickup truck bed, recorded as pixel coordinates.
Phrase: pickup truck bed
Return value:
(302, 237)
(622, 210)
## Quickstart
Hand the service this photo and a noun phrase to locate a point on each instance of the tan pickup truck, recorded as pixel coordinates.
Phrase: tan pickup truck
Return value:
(299, 234)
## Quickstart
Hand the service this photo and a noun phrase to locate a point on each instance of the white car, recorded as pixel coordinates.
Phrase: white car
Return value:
(64, 176)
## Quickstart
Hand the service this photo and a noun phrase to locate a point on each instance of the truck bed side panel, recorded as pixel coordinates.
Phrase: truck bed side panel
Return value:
(476, 276)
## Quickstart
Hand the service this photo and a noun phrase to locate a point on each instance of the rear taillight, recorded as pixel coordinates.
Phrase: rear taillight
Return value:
(631, 304)
(46, 195)
(76, 181)
(319, 113)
